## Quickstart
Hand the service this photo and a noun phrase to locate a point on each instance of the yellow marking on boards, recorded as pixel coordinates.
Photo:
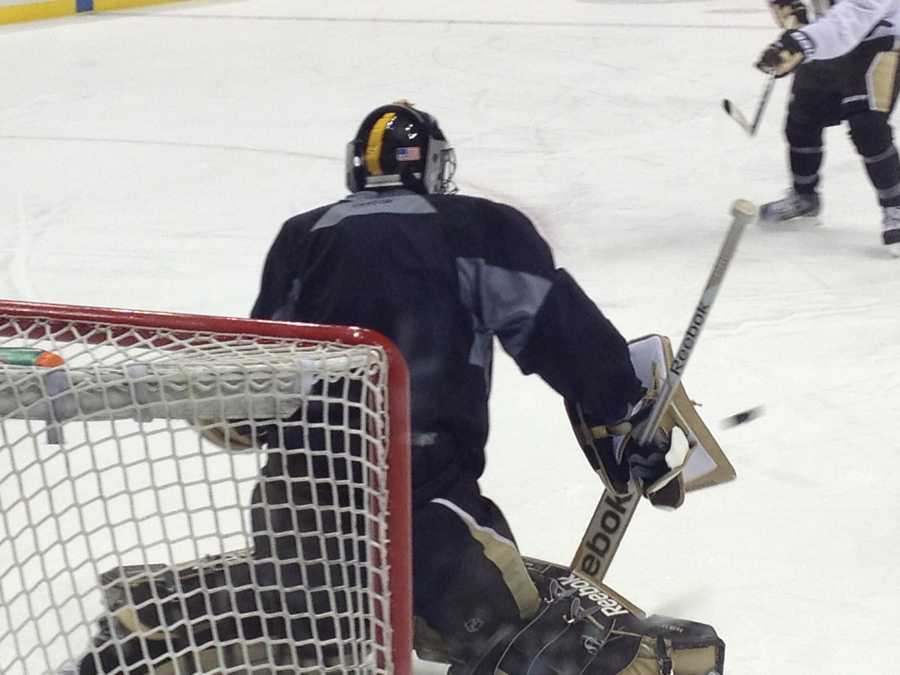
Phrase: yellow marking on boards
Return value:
(54, 9)
(37, 10)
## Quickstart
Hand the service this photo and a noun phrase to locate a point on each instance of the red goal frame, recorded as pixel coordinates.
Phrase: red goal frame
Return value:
(399, 518)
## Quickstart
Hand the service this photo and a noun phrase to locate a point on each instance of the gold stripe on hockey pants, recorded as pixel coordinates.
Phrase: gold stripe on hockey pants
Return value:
(880, 81)
(504, 554)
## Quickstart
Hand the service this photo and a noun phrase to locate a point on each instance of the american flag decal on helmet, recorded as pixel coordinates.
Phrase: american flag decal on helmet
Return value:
(413, 154)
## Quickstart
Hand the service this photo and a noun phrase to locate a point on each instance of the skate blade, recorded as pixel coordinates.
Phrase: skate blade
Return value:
(893, 249)
(791, 224)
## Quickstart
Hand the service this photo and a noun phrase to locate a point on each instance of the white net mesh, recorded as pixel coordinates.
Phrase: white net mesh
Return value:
(137, 530)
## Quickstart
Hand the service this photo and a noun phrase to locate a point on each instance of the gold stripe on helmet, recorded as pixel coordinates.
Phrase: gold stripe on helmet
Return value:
(376, 140)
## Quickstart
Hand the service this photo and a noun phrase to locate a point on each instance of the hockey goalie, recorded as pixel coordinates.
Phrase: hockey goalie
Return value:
(441, 275)
(280, 606)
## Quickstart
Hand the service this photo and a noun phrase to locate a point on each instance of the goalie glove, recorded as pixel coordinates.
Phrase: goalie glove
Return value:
(621, 461)
(782, 56)
(789, 13)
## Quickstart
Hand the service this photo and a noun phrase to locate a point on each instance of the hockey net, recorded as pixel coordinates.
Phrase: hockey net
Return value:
(138, 533)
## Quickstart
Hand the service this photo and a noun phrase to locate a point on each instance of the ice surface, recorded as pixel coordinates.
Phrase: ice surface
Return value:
(148, 158)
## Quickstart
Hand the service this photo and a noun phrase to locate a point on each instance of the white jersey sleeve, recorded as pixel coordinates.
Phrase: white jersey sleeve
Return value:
(848, 23)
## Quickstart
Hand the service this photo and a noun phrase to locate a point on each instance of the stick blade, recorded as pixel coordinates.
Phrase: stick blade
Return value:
(734, 113)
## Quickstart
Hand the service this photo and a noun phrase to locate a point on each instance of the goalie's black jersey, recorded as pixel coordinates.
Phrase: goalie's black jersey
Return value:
(441, 276)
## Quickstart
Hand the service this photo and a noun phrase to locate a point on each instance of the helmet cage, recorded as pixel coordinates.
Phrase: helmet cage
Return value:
(432, 174)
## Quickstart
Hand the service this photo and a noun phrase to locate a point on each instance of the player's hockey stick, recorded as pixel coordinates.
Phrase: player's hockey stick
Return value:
(607, 527)
(738, 116)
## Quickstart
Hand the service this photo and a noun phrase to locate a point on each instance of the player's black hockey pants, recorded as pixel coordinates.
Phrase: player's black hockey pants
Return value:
(860, 88)
(471, 590)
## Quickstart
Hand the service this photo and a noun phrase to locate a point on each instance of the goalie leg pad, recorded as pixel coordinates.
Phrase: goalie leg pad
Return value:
(199, 617)
(580, 629)
(583, 629)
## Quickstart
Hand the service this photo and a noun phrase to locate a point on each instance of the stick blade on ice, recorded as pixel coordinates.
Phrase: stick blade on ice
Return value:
(735, 114)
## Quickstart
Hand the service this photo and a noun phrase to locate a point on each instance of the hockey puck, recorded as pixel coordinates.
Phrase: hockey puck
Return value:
(742, 417)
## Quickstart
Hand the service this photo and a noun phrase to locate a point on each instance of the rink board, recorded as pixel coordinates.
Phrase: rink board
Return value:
(12, 11)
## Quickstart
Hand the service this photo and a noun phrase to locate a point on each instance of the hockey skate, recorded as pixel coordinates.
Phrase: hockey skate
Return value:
(890, 232)
(795, 207)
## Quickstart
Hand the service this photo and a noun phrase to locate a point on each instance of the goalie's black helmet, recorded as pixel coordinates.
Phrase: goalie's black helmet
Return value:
(400, 146)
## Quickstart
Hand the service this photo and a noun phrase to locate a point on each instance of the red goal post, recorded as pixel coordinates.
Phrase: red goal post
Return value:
(64, 437)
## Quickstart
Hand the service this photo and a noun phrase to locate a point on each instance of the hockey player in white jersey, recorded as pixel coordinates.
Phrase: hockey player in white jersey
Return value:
(845, 64)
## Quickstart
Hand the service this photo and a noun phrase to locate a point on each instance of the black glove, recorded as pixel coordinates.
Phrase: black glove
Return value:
(789, 13)
(613, 449)
(646, 462)
(782, 56)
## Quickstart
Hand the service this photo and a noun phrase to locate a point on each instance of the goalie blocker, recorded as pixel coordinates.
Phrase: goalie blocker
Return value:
(202, 608)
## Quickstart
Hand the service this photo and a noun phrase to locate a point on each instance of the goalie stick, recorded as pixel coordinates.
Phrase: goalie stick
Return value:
(738, 116)
(614, 512)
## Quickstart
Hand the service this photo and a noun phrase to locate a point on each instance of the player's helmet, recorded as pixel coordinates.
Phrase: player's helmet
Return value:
(400, 146)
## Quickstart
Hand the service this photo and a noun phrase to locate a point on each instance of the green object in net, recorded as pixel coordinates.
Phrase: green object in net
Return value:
(25, 356)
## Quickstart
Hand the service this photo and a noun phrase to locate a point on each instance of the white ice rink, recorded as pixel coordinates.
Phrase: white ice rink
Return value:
(148, 158)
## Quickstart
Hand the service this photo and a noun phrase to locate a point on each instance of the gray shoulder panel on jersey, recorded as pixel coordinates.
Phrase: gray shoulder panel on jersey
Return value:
(369, 203)
(504, 302)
